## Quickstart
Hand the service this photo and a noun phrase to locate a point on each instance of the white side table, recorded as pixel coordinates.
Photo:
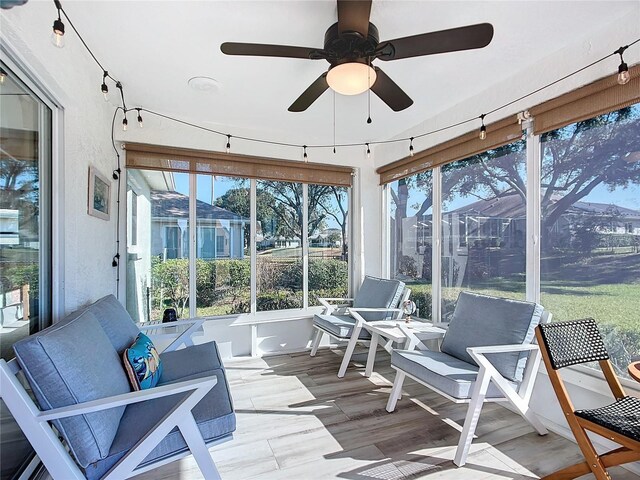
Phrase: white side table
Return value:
(389, 331)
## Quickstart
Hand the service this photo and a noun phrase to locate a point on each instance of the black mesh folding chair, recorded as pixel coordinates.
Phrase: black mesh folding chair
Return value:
(571, 343)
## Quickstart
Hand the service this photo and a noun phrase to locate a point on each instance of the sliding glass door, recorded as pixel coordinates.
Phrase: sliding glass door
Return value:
(25, 237)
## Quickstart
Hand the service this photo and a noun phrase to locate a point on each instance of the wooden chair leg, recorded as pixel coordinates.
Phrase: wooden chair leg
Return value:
(316, 342)
(396, 391)
(473, 413)
(351, 346)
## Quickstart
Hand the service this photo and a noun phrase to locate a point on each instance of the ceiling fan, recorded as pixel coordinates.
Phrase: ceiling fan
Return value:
(351, 45)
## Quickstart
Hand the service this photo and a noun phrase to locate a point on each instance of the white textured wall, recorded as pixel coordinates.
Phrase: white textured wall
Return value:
(73, 79)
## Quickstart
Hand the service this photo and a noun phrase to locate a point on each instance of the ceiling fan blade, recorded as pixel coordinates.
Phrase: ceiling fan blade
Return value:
(389, 92)
(353, 16)
(310, 95)
(452, 40)
(263, 50)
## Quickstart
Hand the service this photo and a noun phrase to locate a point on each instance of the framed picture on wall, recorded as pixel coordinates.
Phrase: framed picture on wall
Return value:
(99, 194)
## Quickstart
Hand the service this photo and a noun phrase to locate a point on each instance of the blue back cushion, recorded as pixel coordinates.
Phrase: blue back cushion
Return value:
(142, 363)
(482, 320)
(72, 362)
(378, 293)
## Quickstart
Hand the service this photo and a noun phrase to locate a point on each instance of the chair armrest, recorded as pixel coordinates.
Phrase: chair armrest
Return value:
(206, 383)
(184, 337)
(330, 307)
(362, 309)
(355, 312)
(519, 347)
(178, 323)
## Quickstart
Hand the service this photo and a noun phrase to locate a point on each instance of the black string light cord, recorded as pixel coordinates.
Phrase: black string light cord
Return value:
(115, 262)
(118, 171)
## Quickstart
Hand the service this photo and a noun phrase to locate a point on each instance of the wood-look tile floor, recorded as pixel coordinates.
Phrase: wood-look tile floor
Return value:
(297, 420)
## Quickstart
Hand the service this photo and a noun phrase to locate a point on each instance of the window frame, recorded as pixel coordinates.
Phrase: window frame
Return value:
(580, 374)
(192, 245)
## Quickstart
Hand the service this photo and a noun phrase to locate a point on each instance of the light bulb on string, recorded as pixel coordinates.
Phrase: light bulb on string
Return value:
(140, 124)
(3, 75)
(368, 151)
(104, 88)
(304, 154)
(411, 147)
(623, 69)
(483, 129)
(228, 147)
(57, 36)
(125, 123)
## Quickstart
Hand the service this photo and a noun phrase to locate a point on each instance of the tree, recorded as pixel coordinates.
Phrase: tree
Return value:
(576, 159)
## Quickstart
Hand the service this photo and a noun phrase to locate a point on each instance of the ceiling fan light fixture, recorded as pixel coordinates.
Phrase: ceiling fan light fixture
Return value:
(351, 78)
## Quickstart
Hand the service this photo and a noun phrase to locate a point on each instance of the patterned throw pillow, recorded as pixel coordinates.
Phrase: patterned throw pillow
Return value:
(142, 363)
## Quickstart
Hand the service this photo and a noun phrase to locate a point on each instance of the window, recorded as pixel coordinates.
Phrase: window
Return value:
(410, 220)
(483, 225)
(279, 245)
(160, 268)
(328, 239)
(25, 237)
(223, 265)
(590, 199)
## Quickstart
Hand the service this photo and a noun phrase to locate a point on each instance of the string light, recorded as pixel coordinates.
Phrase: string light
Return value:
(125, 123)
(483, 129)
(228, 143)
(57, 37)
(140, 124)
(103, 88)
(3, 75)
(304, 155)
(116, 173)
(623, 69)
(368, 151)
(623, 78)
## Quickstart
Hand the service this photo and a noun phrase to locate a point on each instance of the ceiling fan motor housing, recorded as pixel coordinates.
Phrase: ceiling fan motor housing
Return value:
(349, 46)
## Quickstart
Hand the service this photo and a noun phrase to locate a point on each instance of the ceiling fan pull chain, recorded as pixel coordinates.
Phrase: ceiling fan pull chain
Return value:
(334, 122)
(369, 91)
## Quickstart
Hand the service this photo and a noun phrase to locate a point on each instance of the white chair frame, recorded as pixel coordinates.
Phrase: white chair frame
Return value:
(53, 452)
(360, 322)
(184, 338)
(487, 373)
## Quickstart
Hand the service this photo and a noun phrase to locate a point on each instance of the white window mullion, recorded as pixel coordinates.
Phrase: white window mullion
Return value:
(436, 249)
(305, 246)
(533, 215)
(252, 245)
(386, 237)
(192, 244)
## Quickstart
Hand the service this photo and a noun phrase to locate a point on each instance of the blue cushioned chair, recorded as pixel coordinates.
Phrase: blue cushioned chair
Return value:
(344, 318)
(87, 423)
(486, 355)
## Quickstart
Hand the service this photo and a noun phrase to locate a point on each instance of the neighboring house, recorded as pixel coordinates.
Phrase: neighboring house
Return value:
(278, 241)
(329, 237)
(220, 233)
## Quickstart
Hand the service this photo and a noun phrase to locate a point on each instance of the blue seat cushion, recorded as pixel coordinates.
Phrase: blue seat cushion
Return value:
(214, 414)
(482, 320)
(378, 293)
(73, 362)
(189, 361)
(340, 326)
(443, 372)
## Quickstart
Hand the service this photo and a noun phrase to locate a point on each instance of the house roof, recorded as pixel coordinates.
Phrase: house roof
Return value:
(512, 206)
(176, 205)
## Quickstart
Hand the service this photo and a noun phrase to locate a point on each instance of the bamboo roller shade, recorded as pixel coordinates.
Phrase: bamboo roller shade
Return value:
(499, 133)
(602, 96)
(174, 159)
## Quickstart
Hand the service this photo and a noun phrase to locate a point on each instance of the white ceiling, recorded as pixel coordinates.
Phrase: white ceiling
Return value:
(155, 47)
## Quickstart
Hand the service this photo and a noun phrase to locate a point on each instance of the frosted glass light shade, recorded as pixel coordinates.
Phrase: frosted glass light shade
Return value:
(351, 78)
